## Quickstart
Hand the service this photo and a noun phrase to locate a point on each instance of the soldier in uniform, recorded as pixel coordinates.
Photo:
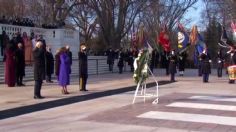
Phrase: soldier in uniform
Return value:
(206, 66)
(232, 53)
(182, 59)
(83, 67)
(172, 65)
(154, 60)
(220, 63)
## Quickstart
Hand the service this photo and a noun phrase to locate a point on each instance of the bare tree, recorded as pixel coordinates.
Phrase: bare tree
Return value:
(115, 17)
(164, 12)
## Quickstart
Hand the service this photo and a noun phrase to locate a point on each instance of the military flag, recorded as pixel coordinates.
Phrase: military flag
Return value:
(163, 40)
(183, 38)
(233, 27)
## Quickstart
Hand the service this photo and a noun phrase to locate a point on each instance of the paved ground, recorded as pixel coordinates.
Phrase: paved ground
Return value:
(186, 105)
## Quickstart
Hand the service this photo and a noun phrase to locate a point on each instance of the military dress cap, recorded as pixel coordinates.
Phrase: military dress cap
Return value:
(82, 46)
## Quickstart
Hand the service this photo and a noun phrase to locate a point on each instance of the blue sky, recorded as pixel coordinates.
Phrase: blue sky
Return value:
(194, 13)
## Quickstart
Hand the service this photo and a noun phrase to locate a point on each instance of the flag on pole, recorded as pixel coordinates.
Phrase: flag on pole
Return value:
(197, 40)
(163, 40)
(140, 37)
(233, 27)
(183, 37)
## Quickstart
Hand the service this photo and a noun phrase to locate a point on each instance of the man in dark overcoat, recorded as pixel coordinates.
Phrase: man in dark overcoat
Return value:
(20, 64)
(49, 65)
(110, 59)
(83, 68)
(39, 69)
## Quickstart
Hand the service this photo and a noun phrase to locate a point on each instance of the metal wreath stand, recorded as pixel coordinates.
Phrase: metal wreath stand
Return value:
(141, 90)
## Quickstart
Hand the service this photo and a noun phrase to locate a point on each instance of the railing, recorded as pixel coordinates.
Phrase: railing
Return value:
(96, 65)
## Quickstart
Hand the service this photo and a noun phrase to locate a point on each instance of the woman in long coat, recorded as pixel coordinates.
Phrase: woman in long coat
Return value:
(64, 74)
(28, 49)
(10, 76)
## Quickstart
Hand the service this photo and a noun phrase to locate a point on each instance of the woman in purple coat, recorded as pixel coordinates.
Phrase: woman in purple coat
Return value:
(64, 72)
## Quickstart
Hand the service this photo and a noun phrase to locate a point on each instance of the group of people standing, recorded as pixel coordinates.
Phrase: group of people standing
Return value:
(204, 63)
(122, 57)
(63, 62)
(16, 52)
(171, 60)
(44, 63)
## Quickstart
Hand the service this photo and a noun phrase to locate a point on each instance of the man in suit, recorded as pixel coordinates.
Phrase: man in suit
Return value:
(20, 64)
(83, 68)
(39, 69)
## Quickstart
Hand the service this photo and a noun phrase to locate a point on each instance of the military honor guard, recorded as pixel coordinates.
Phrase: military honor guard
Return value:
(172, 65)
(83, 67)
(205, 65)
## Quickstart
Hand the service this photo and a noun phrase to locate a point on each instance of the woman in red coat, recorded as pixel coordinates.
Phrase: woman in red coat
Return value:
(10, 77)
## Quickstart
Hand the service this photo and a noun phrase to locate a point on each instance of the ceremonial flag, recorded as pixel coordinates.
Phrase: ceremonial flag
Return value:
(163, 40)
(224, 38)
(183, 38)
(197, 40)
(193, 35)
(133, 39)
(233, 26)
(140, 37)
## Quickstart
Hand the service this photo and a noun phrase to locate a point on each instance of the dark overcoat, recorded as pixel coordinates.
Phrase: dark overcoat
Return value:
(83, 64)
(57, 64)
(206, 66)
(39, 64)
(172, 64)
(182, 60)
(49, 63)
(20, 62)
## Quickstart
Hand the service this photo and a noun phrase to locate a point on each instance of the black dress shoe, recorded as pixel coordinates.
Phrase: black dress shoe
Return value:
(38, 97)
(22, 84)
(83, 90)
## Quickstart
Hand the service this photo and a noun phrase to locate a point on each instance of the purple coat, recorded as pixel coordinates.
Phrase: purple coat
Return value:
(64, 72)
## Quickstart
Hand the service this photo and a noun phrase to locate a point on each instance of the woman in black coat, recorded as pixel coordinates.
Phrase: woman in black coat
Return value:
(206, 66)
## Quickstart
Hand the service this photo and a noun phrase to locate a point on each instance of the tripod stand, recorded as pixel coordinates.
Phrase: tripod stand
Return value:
(141, 90)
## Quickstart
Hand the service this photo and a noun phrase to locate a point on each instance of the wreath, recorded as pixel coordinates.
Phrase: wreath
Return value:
(141, 67)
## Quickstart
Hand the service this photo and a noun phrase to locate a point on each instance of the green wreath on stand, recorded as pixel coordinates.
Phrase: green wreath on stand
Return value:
(141, 67)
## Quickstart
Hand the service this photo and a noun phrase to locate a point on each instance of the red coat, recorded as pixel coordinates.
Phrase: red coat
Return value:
(10, 78)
